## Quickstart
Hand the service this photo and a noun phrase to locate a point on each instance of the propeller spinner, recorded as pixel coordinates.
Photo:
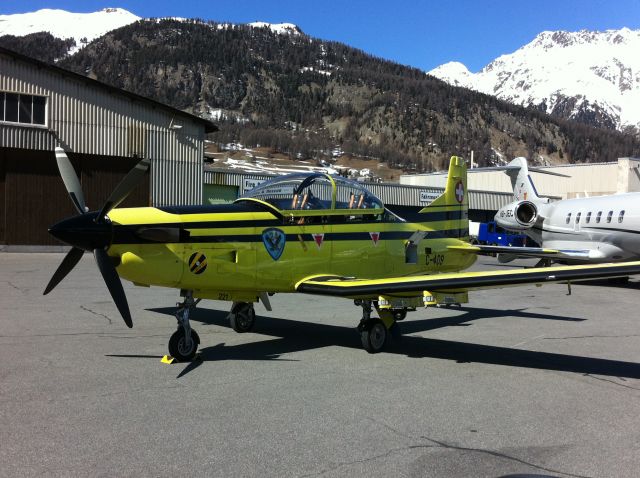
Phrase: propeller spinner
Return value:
(92, 231)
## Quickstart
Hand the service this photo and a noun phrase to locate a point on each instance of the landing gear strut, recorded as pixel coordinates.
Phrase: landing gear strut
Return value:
(184, 342)
(374, 332)
(242, 317)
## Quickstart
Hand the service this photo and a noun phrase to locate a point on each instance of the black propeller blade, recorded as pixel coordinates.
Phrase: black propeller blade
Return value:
(122, 190)
(92, 232)
(112, 279)
(68, 263)
(70, 180)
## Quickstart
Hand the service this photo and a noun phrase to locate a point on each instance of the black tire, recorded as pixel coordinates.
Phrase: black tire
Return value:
(619, 280)
(177, 347)
(399, 314)
(374, 336)
(242, 318)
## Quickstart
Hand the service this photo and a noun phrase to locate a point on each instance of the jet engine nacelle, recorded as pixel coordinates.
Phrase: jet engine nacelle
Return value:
(518, 215)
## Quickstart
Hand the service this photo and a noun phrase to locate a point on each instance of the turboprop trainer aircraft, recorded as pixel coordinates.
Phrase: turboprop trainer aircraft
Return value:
(306, 233)
(583, 230)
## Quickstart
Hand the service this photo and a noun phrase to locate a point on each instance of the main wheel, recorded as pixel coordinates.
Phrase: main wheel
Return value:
(178, 347)
(374, 336)
(243, 317)
(399, 314)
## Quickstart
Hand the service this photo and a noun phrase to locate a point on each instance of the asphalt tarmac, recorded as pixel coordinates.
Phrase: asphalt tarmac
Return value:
(522, 381)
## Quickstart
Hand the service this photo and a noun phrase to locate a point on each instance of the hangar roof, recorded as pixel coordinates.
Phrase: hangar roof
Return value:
(209, 126)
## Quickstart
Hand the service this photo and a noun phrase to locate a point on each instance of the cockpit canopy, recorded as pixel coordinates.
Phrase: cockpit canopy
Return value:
(315, 192)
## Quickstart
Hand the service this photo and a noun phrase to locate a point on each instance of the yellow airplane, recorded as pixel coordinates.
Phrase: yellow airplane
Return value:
(307, 233)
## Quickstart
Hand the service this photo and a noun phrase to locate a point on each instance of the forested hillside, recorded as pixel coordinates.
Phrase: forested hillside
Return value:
(305, 97)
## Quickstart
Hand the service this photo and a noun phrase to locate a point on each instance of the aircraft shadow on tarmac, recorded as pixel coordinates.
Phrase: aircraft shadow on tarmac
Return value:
(291, 336)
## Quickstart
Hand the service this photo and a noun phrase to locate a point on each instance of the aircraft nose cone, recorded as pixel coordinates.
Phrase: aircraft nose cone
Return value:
(82, 232)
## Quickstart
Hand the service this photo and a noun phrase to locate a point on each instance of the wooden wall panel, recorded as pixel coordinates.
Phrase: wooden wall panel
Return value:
(35, 197)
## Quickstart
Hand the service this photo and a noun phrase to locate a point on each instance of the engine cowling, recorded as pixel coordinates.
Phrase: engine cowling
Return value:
(518, 215)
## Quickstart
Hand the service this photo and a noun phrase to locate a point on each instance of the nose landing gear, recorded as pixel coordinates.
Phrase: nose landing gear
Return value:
(184, 342)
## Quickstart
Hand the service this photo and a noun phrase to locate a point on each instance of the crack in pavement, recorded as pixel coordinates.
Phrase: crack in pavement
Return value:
(593, 337)
(15, 286)
(337, 466)
(435, 444)
(96, 313)
(602, 379)
(496, 454)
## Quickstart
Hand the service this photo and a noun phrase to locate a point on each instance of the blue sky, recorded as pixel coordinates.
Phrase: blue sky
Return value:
(423, 34)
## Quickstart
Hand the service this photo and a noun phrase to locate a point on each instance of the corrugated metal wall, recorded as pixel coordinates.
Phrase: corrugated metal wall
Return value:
(594, 179)
(84, 117)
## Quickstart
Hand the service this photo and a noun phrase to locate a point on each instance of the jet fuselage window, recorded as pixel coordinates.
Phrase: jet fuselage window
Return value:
(588, 218)
(609, 216)
(568, 218)
(598, 217)
(621, 216)
(578, 217)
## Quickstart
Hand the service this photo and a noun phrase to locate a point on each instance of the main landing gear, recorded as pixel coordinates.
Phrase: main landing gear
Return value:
(375, 332)
(242, 317)
(184, 342)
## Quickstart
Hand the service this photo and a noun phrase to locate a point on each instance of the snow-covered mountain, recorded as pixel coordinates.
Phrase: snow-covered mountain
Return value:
(82, 27)
(593, 77)
(85, 27)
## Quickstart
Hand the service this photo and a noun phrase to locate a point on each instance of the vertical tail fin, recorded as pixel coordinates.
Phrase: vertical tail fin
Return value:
(451, 208)
(521, 182)
(523, 188)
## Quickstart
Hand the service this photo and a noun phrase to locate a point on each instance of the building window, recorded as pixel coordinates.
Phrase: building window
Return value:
(598, 217)
(588, 218)
(609, 216)
(568, 218)
(621, 216)
(23, 109)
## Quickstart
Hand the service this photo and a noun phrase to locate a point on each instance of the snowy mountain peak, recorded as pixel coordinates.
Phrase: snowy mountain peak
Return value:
(589, 76)
(454, 73)
(82, 27)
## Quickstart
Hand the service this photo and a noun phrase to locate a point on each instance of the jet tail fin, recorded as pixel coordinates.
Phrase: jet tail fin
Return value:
(523, 187)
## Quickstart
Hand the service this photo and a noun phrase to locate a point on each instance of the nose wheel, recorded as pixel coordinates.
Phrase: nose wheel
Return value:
(181, 348)
(184, 342)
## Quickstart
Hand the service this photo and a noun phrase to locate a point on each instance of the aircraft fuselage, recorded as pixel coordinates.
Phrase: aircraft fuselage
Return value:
(229, 252)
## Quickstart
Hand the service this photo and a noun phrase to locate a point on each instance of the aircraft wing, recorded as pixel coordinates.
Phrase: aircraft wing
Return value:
(460, 281)
(508, 253)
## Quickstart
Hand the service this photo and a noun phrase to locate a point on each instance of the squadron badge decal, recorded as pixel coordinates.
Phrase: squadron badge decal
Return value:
(274, 240)
(197, 263)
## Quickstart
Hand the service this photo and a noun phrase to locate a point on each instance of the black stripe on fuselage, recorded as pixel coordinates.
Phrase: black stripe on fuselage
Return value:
(586, 229)
(127, 235)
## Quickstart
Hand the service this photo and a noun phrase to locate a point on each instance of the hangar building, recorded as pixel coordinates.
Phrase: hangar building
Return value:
(593, 179)
(105, 132)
